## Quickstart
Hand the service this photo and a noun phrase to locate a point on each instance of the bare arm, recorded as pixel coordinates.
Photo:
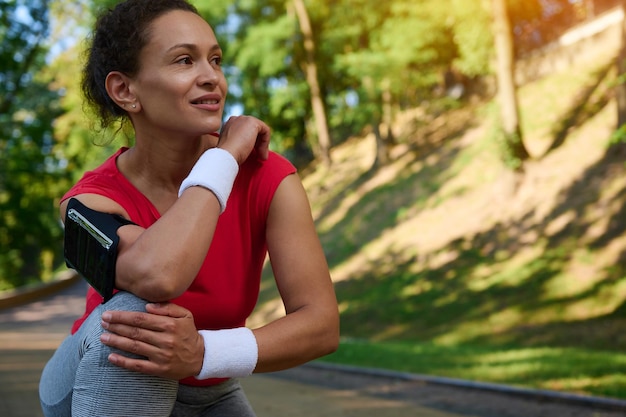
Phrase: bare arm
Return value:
(159, 263)
(166, 334)
(311, 327)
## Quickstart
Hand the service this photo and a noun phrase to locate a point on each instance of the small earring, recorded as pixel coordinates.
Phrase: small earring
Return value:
(134, 106)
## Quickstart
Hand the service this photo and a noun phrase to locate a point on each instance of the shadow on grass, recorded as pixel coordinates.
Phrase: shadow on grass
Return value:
(587, 102)
(437, 302)
(382, 207)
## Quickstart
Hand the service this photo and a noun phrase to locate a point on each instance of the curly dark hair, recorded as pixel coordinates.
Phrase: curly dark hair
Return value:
(116, 41)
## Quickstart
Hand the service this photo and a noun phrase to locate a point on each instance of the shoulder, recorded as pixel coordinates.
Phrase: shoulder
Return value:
(257, 182)
(106, 189)
(269, 172)
(102, 180)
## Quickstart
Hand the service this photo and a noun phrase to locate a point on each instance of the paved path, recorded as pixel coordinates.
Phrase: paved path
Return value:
(29, 333)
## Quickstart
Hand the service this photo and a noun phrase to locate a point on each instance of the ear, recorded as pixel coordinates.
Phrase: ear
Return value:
(117, 85)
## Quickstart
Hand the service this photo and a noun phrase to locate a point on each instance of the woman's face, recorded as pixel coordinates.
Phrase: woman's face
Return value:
(180, 84)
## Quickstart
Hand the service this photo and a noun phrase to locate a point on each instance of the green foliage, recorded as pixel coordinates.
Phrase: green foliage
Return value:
(46, 141)
(214, 11)
(619, 136)
(266, 39)
(559, 368)
(263, 77)
(472, 37)
(508, 144)
(363, 48)
(31, 173)
(79, 140)
(449, 265)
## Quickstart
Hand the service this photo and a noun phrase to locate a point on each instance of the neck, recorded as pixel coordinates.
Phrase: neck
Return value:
(159, 167)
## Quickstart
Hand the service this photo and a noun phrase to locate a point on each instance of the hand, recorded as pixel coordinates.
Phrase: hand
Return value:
(165, 335)
(241, 135)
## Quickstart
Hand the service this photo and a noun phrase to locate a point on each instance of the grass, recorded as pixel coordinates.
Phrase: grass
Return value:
(564, 369)
(446, 263)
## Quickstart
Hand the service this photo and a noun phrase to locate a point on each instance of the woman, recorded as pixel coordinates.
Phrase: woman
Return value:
(195, 249)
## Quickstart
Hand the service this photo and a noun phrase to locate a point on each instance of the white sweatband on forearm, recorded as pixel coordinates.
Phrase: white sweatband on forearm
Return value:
(215, 170)
(230, 353)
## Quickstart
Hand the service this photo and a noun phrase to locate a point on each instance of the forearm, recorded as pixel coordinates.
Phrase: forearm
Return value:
(310, 328)
(160, 262)
(297, 338)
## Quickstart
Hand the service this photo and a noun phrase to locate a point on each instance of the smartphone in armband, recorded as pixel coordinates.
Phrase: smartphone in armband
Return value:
(90, 245)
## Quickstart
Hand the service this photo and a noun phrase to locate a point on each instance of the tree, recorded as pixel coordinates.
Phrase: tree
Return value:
(317, 101)
(46, 141)
(515, 152)
(263, 54)
(79, 140)
(344, 65)
(31, 174)
(395, 54)
(620, 90)
(366, 58)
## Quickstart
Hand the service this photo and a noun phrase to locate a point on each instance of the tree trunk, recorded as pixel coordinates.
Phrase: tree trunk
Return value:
(620, 88)
(378, 118)
(382, 156)
(387, 97)
(515, 150)
(619, 146)
(317, 104)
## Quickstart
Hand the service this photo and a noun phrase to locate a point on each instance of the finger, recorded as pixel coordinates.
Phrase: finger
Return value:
(263, 144)
(155, 350)
(168, 309)
(129, 345)
(138, 365)
(151, 360)
(132, 319)
(129, 332)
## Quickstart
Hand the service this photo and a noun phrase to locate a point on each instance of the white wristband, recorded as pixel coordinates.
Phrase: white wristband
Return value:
(215, 170)
(231, 353)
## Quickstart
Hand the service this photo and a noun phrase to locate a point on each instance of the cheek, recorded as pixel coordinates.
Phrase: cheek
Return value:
(159, 86)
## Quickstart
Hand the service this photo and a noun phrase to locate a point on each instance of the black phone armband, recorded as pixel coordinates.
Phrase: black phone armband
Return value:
(90, 245)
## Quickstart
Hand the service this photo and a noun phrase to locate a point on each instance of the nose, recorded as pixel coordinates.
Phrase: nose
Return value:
(209, 74)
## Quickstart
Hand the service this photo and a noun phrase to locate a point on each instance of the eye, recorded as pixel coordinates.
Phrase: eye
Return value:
(216, 61)
(186, 60)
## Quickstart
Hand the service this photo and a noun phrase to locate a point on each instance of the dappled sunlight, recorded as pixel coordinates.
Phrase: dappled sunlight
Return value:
(393, 331)
(583, 383)
(445, 245)
(366, 184)
(559, 223)
(324, 186)
(482, 233)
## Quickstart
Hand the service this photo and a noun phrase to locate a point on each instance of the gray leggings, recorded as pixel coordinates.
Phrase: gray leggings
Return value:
(79, 381)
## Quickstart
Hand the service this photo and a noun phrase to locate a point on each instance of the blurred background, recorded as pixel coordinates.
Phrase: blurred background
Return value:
(464, 161)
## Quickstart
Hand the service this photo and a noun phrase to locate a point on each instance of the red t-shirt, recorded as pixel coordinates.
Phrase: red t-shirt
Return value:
(226, 289)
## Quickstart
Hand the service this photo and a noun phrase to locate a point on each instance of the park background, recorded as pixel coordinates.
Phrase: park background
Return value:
(464, 162)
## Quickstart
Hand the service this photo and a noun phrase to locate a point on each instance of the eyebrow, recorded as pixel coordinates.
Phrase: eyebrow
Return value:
(192, 46)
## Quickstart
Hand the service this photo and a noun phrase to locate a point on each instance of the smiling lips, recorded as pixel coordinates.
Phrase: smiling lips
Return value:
(214, 101)
(208, 103)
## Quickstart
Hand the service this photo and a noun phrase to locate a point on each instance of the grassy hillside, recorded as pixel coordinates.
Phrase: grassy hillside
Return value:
(446, 254)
